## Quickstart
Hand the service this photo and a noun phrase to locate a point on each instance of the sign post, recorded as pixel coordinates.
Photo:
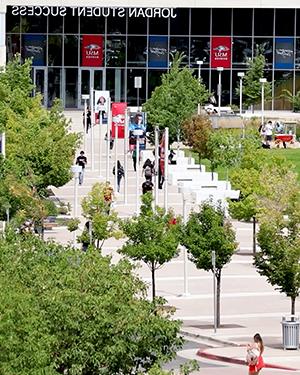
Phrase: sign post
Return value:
(101, 107)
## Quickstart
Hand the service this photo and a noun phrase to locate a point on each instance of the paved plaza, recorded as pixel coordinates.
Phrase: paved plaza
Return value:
(248, 303)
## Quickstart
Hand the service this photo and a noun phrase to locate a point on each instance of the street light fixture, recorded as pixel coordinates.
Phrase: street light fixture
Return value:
(199, 63)
(241, 75)
(262, 81)
(76, 169)
(220, 70)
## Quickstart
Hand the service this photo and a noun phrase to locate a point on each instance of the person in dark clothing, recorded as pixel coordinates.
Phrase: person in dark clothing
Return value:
(134, 159)
(148, 169)
(147, 186)
(120, 174)
(81, 161)
(88, 119)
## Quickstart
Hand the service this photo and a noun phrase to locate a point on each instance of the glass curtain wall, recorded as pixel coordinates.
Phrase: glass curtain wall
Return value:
(143, 47)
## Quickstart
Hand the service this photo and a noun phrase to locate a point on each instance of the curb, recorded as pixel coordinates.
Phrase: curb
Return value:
(209, 338)
(237, 361)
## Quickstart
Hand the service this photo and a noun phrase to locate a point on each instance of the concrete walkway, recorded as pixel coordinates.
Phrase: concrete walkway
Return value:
(248, 303)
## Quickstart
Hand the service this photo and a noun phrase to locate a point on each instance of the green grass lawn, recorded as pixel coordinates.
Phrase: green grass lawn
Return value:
(291, 154)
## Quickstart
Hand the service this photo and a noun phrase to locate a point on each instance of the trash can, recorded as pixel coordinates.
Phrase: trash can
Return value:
(290, 332)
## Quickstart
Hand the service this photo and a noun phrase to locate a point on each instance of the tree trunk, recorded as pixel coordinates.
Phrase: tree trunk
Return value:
(212, 171)
(153, 280)
(254, 235)
(199, 156)
(218, 276)
(293, 301)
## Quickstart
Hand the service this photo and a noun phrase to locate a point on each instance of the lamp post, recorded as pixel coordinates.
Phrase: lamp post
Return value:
(157, 161)
(262, 81)
(213, 261)
(138, 133)
(76, 169)
(241, 76)
(220, 70)
(85, 97)
(138, 86)
(199, 63)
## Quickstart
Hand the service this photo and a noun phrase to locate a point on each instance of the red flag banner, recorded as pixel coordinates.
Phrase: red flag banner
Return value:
(118, 118)
(220, 53)
(92, 50)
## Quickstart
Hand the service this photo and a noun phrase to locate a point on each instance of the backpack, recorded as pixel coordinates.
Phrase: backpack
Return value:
(148, 171)
(252, 356)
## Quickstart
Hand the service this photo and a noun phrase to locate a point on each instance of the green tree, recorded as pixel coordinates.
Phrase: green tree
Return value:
(39, 147)
(196, 132)
(251, 85)
(153, 237)
(279, 257)
(64, 311)
(205, 231)
(104, 222)
(223, 149)
(175, 99)
(293, 99)
(256, 178)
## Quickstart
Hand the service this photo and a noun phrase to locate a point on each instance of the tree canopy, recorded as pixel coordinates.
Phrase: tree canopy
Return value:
(39, 147)
(153, 236)
(279, 257)
(175, 99)
(205, 231)
(251, 84)
(65, 311)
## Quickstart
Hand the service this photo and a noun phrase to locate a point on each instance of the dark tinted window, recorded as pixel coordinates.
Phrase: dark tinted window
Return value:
(136, 51)
(200, 21)
(158, 26)
(12, 22)
(263, 22)
(55, 24)
(33, 24)
(92, 25)
(242, 22)
(71, 23)
(285, 22)
(180, 24)
(221, 21)
(137, 25)
(71, 50)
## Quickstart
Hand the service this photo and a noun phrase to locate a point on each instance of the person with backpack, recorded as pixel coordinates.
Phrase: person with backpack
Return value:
(120, 174)
(254, 357)
(148, 169)
(147, 186)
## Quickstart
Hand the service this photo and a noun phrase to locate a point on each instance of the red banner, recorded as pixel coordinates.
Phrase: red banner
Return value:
(92, 50)
(118, 118)
(220, 53)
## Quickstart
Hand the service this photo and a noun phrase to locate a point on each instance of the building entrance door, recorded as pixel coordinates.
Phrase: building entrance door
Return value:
(40, 83)
(90, 78)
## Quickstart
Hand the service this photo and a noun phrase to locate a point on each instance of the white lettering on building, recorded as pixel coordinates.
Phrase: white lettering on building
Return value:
(92, 11)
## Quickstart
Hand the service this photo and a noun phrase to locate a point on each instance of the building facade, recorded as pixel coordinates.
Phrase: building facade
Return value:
(77, 47)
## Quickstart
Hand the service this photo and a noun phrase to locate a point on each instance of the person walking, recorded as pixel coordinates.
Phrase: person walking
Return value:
(134, 159)
(147, 186)
(108, 196)
(148, 169)
(254, 355)
(88, 115)
(120, 174)
(81, 161)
